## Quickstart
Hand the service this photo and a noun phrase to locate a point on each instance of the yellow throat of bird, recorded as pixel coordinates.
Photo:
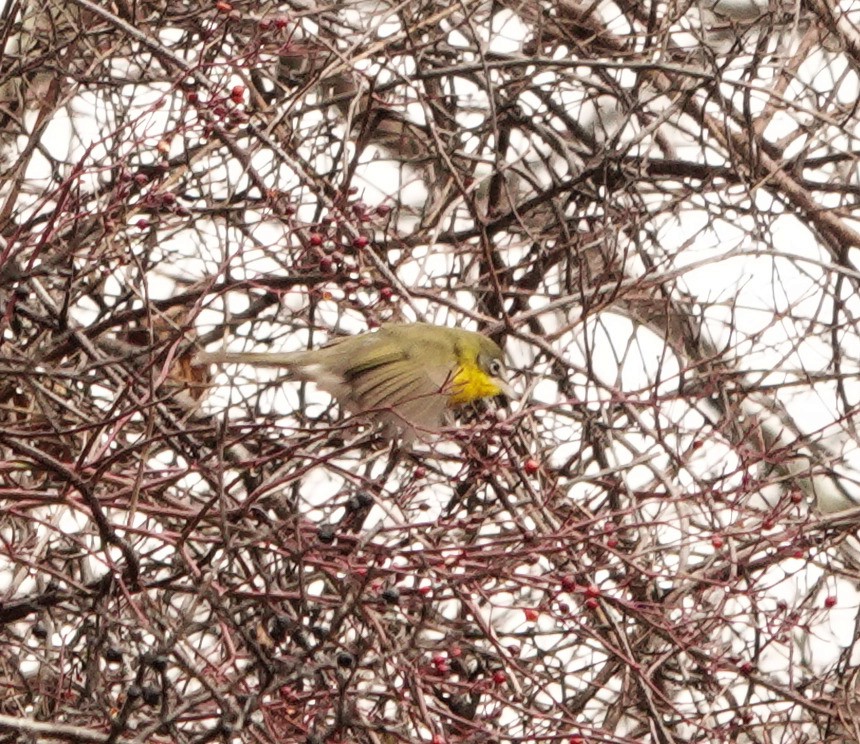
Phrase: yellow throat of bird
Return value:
(471, 383)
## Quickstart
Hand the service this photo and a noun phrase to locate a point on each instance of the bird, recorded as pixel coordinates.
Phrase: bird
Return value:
(407, 377)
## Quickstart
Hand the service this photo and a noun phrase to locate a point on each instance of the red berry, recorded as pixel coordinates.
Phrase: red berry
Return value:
(326, 265)
(592, 590)
(531, 614)
(386, 293)
(576, 740)
(568, 584)
(315, 239)
(592, 604)
(238, 93)
(425, 590)
(360, 242)
(223, 6)
(420, 472)
(531, 466)
(142, 223)
(281, 22)
(191, 96)
(717, 542)
(499, 677)
(830, 601)
(612, 543)
(437, 739)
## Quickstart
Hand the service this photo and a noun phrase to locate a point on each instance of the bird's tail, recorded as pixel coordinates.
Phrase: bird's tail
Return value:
(287, 359)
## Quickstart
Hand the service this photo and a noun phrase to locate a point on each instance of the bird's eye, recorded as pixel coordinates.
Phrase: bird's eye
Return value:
(494, 367)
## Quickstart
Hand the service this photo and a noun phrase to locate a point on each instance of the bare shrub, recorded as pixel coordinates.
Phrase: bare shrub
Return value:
(651, 205)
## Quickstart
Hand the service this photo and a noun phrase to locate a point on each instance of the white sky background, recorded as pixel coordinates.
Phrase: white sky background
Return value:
(740, 287)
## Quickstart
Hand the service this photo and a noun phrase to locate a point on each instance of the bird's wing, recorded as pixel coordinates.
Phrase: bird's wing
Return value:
(408, 395)
(389, 381)
(386, 377)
